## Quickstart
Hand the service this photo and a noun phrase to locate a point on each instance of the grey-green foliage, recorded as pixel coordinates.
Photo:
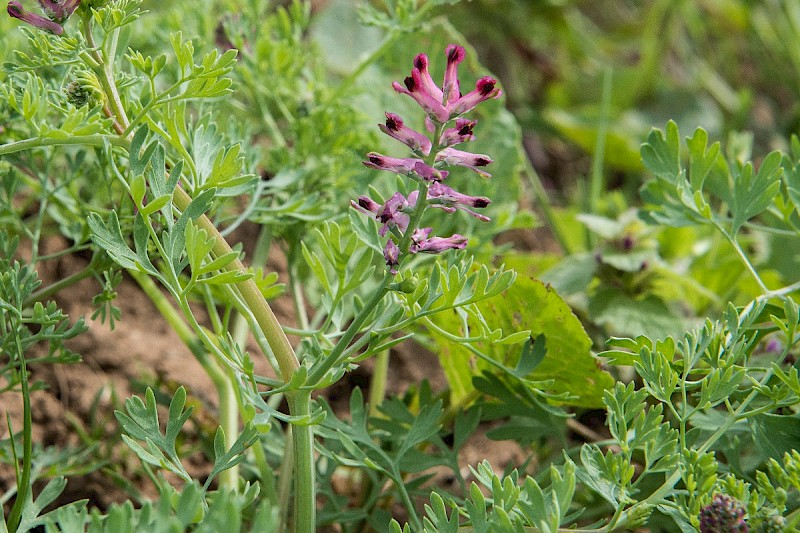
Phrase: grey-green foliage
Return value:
(140, 422)
(190, 509)
(22, 328)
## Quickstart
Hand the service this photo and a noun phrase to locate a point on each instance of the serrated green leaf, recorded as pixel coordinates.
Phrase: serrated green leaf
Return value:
(752, 194)
(661, 153)
(701, 158)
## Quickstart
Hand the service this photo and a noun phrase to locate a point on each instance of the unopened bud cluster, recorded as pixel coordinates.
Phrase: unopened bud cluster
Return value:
(723, 515)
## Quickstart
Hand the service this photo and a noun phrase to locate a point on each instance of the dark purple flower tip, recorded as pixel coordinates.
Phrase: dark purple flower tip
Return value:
(398, 165)
(448, 199)
(395, 128)
(394, 122)
(455, 55)
(462, 132)
(366, 205)
(16, 11)
(485, 88)
(451, 156)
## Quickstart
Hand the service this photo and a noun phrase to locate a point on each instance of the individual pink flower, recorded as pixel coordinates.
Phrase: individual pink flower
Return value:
(421, 242)
(398, 165)
(16, 11)
(421, 64)
(415, 88)
(396, 129)
(390, 214)
(448, 199)
(451, 156)
(462, 132)
(485, 88)
(450, 88)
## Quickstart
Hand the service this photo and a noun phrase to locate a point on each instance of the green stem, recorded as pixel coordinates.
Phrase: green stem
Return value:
(305, 504)
(748, 265)
(23, 481)
(97, 140)
(250, 292)
(320, 369)
(380, 375)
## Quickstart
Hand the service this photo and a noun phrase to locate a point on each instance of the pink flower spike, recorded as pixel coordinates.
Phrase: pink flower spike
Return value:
(414, 87)
(421, 64)
(395, 128)
(451, 156)
(485, 88)
(455, 55)
(16, 11)
(398, 165)
(391, 253)
(461, 133)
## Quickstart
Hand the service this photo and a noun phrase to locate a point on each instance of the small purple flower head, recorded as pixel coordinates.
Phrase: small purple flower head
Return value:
(391, 253)
(462, 132)
(395, 128)
(723, 515)
(421, 242)
(451, 156)
(16, 11)
(444, 103)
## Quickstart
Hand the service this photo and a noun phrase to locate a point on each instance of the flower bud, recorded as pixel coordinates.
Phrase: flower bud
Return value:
(723, 515)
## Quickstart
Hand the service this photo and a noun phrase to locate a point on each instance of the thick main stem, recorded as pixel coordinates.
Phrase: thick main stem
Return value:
(305, 507)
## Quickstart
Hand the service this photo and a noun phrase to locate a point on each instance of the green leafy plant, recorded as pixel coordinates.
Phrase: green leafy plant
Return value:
(146, 143)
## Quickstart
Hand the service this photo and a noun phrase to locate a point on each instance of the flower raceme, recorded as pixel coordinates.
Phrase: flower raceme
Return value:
(57, 12)
(443, 106)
